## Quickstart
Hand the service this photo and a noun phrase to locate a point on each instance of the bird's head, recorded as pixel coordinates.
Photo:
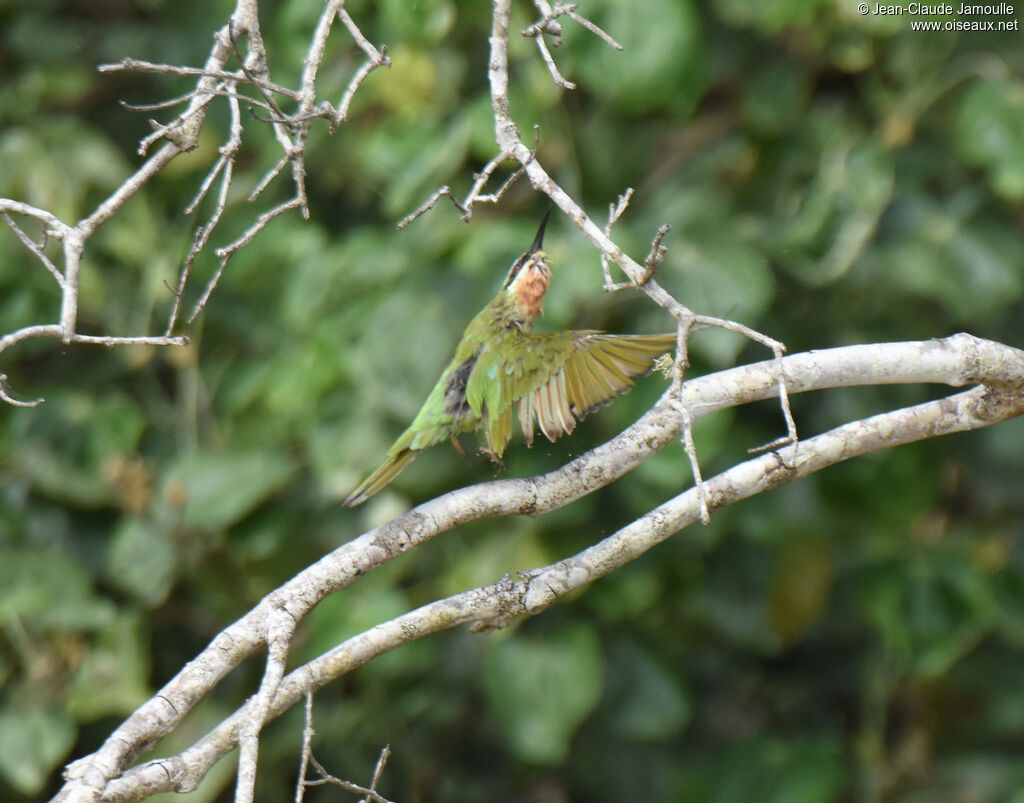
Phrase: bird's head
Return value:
(529, 276)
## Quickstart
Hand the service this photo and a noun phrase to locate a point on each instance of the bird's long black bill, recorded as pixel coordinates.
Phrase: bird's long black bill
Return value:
(538, 241)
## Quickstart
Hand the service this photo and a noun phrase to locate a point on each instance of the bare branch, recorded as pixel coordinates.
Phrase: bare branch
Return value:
(532, 592)
(307, 750)
(378, 770)
(372, 53)
(54, 225)
(34, 247)
(556, 76)
(548, 24)
(6, 396)
(958, 360)
(615, 211)
(570, 11)
(353, 86)
(58, 331)
(691, 453)
(656, 255)
(444, 192)
(233, 248)
(375, 58)
(228, 76)
(280, 630)
(270, 175)
(213, 80)
(155, 107)
(475, 194)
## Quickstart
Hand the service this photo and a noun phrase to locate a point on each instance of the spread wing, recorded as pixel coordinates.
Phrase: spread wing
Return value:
(555, 379)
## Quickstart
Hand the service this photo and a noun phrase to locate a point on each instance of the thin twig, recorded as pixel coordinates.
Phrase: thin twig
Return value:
(787, 412)
(307, 749)
(6, 396)
(34, 247)
(548, 25)
(443, 192)
(691, 453)
(172, 69)
(225, 253)
(556, 76)
(378, 771)
(656, 255)
(615, 211)
(375, 58)
(570, 11)
(270, 175)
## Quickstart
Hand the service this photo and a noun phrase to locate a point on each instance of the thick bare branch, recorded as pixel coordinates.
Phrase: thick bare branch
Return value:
(959, 360)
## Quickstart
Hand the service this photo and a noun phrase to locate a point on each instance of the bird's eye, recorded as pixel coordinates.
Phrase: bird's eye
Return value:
(517, 266)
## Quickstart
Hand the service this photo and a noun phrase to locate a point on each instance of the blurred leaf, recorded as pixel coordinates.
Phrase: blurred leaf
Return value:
(776, 97)
(931, 616)
(542, 687)
(112, 679)
(769, 770)
(218, 489)
(990, 133)
(409, 86)
(142, 560)
(342, 616)
(115, 426)
(625, 595)
(426, 21)
(732, 600)
(724, 275)
(645, 702)
(972, 268)
(33, 741)
(49, 589)
(60, 478)
(664, 65)
(56, 166)
(834, 219)
(801, 588)
(772, 15)
(829, 176)
(485, 560)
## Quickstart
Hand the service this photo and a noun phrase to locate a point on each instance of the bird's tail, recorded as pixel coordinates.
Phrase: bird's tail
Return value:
(381, 477)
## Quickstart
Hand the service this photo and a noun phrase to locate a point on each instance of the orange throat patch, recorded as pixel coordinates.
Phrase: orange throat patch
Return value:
(530, 291)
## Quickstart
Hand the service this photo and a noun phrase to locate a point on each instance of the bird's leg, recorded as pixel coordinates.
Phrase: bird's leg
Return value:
(494, 456)
(458, 446)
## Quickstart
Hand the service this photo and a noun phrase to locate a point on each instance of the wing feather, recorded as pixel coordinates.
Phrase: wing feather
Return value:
(551, 380)
(548, 424)
(564, 410)
(597, 388)
(526, 418)
(499, 431)
(574, 389)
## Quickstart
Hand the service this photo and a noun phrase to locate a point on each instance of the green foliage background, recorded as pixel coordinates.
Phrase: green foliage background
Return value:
(830, 178)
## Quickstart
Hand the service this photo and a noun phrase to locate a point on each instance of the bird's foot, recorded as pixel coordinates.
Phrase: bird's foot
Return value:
(493, 456)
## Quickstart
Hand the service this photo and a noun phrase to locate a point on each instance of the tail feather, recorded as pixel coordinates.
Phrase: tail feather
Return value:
(381, 477)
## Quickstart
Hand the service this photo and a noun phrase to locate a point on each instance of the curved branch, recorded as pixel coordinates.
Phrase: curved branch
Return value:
(956, 361)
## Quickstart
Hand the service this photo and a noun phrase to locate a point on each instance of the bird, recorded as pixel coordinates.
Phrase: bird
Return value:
(503, 370)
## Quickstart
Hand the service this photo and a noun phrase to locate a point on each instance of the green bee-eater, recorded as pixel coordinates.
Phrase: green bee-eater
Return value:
(501, 370)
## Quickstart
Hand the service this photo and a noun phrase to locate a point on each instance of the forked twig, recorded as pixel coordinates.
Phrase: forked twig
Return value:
(548, 24)
(250, 84)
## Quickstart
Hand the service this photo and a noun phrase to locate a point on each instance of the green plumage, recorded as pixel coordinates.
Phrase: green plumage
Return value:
(502, 371)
